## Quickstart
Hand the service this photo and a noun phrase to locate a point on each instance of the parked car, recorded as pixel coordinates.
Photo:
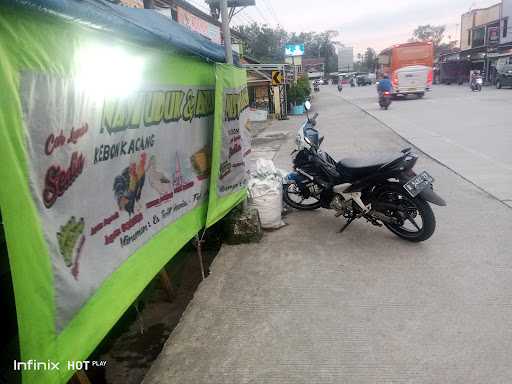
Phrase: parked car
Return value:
(363, 80)
(504, 72)
(504, 78)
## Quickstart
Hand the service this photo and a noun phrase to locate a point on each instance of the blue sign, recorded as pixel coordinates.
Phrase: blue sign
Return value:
(294, 50)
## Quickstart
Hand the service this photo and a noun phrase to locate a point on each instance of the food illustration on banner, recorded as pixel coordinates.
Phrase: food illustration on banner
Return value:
(158, 180)
(67, 239)
(201, 163)
(181, 180)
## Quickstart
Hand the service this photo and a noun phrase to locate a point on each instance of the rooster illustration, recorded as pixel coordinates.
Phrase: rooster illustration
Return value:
(128, 185)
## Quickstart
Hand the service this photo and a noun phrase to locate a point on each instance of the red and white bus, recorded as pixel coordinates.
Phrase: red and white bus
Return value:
(409, 66)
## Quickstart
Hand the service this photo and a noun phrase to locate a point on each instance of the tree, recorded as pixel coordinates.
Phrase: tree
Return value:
(370, 60)
(263, 42)
(319, 45)
(267, 44)
(432, 33)
(449, 47)
(367, 61)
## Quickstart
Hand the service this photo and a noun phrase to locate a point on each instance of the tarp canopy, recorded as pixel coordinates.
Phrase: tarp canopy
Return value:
(107, 148)
(145, 26)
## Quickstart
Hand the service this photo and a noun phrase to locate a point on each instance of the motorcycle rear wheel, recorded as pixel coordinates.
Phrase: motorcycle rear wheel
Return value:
(305, 204)
(410, 209)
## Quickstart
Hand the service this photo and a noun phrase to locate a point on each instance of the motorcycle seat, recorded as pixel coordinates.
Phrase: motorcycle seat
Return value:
(358, 168)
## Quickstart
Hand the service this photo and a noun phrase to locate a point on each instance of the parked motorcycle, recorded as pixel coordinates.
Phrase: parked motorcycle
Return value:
(384, 190)
(385, 100)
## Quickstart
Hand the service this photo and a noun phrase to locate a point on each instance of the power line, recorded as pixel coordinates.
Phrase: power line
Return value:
(203, 7)
(270, 7)
(263, 17)
(241, 19)
(248, 16)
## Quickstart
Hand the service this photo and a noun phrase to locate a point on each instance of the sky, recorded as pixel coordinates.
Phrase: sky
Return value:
(362, 23)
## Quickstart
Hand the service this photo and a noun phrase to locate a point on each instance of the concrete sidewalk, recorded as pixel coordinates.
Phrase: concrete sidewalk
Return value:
(308, 305)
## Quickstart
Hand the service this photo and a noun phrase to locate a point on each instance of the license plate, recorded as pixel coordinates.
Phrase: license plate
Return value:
(418, 183)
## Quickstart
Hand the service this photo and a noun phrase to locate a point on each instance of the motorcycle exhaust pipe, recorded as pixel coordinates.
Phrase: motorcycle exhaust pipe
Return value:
(382, 217)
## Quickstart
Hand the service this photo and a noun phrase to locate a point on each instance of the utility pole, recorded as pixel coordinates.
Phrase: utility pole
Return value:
(222, 6)
(226, 31)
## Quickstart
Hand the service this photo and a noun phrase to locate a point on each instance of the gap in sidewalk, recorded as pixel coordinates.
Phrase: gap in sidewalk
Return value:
(137, 339)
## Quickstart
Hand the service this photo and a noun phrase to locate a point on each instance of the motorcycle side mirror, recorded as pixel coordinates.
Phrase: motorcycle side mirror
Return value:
(307, 105)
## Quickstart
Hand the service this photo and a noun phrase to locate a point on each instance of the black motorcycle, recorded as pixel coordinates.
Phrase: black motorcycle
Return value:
(385, 100)
(384, 189)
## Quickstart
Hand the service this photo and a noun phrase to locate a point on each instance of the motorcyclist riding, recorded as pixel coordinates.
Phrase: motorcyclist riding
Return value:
(476, 81)
(384, 89)
(384, 85)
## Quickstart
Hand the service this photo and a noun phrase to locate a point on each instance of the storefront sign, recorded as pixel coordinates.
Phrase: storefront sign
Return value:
(133, 3)
(493, 35)
(199, 25)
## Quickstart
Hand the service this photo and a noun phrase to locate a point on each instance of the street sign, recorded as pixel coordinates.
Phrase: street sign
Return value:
(277, 78)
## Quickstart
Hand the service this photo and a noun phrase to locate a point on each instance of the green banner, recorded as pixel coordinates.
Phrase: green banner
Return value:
(231, 142)
(105, 151)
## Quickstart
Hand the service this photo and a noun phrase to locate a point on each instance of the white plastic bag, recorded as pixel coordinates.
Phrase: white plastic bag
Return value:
(266, 194)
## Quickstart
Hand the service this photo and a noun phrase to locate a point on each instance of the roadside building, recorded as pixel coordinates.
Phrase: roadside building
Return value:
(452, 68)
(480, 40)
(345, 59)
(503, 56)
(506, 25)
(314, 66)
(260, 93)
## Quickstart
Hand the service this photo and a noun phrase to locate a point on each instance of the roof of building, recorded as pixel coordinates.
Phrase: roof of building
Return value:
(474, 10)
(313, 60)
(144, 26)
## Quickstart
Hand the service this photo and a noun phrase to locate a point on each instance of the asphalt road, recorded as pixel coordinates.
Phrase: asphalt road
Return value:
(309, 305)
(470, 132)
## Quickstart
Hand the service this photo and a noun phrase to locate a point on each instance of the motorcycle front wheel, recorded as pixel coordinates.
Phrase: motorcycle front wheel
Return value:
(416, 220)
(295, 199)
